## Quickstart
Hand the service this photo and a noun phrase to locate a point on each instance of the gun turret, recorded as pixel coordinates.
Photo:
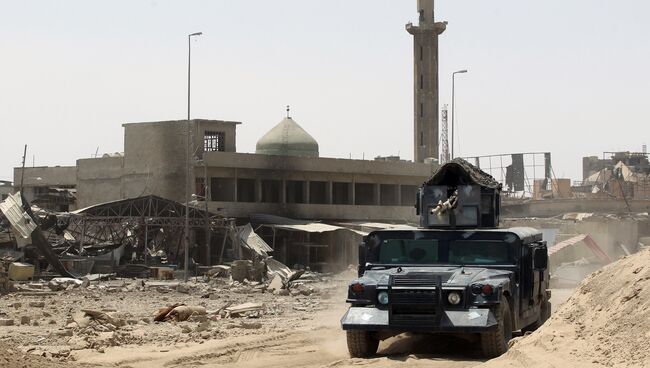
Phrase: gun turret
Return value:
(459, 195)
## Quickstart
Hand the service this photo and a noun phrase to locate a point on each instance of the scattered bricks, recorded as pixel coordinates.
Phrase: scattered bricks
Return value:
(6, 322)
(25, 320)
(40, 304)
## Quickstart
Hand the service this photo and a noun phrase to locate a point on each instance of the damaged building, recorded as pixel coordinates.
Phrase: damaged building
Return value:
(284, 190)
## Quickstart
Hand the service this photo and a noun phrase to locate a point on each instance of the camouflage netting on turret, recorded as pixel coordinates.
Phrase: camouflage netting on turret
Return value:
(460, 172)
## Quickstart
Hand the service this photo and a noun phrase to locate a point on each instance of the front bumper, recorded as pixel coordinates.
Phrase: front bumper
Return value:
(463, 320)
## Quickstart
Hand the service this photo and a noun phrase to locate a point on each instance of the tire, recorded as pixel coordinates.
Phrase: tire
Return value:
(546, 311)
(544, 315)
(361, 344)
(495, 342)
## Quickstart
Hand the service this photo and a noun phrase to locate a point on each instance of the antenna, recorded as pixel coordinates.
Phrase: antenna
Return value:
(444, 137)
(288, 109)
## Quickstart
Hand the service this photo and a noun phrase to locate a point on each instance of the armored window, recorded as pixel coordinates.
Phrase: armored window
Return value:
(421, 109)
(421, 53)
(214, 141)
(421, 81)
(402, 251)
(474, 252)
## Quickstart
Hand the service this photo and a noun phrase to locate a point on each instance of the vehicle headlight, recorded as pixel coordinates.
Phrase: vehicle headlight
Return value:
(453, 298)
(382, 297)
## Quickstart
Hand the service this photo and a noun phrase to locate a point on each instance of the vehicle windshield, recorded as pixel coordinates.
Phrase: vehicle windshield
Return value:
(478, 252)
(433, 251)
(404, 251)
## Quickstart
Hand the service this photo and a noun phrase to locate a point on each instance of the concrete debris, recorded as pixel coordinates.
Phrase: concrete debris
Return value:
(247, 270)
(276, 284)
(21, 271)
(179, 312)
(63, 283)
(218, 271)
(6, 322)
(37, 304)
(241, 309)
(104, 318)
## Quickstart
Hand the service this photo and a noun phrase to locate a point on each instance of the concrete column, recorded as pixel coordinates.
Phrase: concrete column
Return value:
(328, 192)
(236, 178)
(399, 194)
(258, 190)
(306, 196)
(351, 193)
(376, 199)
(283, 189)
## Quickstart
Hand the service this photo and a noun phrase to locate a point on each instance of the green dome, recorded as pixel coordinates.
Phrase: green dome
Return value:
(287, 139)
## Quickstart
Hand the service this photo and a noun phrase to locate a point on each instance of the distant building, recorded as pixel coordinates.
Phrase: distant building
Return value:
(53, 188)
(6, 188)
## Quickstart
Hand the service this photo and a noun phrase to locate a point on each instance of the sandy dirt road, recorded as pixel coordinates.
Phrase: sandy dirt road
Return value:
(318, 342)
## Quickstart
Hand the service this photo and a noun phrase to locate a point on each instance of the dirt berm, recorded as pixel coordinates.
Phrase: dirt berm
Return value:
(606, 322)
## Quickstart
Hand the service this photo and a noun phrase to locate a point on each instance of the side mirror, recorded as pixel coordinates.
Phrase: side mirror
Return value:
(361, 268)
(540, 258)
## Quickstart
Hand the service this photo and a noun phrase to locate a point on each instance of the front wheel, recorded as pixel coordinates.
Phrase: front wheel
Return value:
(495, 342)
(361, 344)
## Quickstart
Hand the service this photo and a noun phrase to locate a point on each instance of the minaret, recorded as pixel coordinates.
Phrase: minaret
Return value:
(425, 63)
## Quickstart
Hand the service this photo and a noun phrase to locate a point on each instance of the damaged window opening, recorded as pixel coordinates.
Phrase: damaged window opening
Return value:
(421, 139)
(214, 141)
(421, 53)
(421, 109)
(421, 81)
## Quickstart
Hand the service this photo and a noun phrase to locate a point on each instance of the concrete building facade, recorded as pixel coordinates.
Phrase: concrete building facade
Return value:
(290, 180)
(425, 78)
(51, 187)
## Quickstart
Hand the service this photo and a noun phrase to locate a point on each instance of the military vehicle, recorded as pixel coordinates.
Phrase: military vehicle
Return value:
(457, 274)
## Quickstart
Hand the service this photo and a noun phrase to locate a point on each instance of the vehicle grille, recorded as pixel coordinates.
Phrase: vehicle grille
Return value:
(414, 300)
(414, 296)
(414, 279)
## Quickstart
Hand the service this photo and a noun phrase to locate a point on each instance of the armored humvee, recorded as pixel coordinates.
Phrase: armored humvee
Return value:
(458, 273)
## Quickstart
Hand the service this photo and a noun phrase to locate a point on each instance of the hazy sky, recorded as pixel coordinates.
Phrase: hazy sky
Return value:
(570, 77)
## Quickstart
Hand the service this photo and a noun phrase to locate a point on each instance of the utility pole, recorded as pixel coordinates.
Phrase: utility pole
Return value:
(187, 158)
(208, 227)
(22, 171)
(453, 111)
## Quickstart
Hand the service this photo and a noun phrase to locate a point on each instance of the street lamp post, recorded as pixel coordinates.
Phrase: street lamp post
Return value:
(453, 111)
(187, 158)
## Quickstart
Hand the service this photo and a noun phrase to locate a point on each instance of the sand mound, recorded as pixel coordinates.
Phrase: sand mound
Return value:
(605, 322)
(11, 357)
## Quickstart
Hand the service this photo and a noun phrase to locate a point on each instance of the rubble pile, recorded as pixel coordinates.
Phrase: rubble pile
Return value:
(55, 319)
(606, 322)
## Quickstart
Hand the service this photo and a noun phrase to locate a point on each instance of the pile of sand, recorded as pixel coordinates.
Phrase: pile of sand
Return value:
(605, 322)
(13, 357)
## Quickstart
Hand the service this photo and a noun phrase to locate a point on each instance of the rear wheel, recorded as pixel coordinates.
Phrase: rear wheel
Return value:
(495, 342)
(361, 344)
